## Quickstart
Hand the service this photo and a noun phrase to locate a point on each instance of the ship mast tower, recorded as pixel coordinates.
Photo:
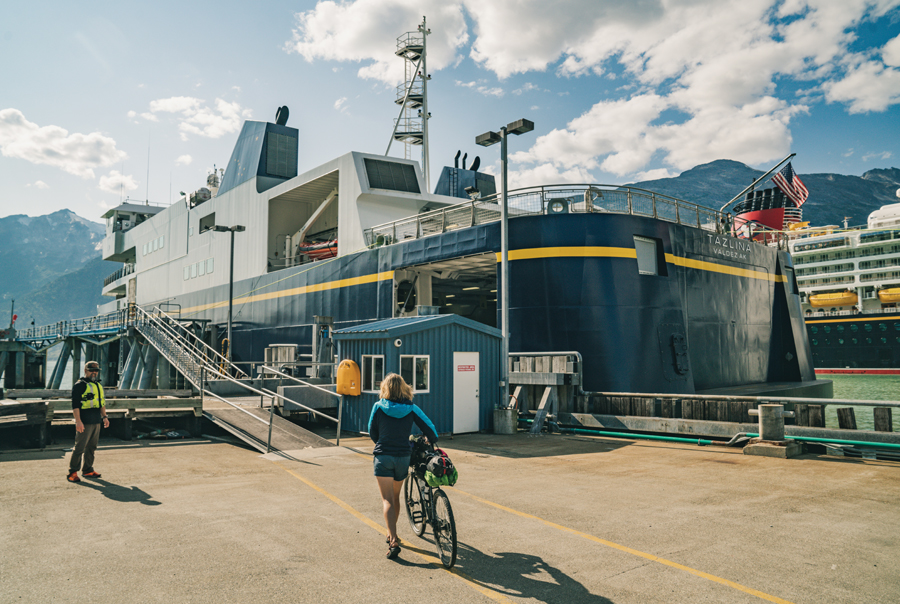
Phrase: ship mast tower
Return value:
(411, 126)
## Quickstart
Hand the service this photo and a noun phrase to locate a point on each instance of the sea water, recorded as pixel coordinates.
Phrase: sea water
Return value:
(863, 387)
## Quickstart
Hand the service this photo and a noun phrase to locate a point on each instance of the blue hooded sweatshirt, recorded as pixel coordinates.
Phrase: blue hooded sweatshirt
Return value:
(390, 424)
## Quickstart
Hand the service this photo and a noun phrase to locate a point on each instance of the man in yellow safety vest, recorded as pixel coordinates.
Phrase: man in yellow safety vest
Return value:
(89, 408)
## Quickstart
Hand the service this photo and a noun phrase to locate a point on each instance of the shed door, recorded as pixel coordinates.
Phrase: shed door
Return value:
(465, 392)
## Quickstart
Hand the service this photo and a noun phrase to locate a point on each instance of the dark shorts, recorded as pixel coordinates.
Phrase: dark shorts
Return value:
(390, 466)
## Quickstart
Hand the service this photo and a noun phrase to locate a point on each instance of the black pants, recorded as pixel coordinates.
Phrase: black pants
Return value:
(85, 444)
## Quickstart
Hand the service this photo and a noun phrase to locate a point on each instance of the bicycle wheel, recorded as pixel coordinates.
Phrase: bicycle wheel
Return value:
(415, 511)
(444, 529)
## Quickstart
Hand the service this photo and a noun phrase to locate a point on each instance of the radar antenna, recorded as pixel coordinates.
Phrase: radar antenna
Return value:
(411, 126)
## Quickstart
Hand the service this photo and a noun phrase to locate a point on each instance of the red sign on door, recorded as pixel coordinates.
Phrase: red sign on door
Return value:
(465, 367)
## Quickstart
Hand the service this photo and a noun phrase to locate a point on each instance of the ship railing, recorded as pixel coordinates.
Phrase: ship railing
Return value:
(63, 329)
(553, 199)
(853, 313)
(126, 269)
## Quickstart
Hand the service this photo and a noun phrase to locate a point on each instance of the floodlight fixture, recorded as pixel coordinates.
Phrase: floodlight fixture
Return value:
(520, 126)
(487, 139)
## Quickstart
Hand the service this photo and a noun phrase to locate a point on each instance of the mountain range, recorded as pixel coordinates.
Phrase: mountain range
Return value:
(50, 265)
(52, 268)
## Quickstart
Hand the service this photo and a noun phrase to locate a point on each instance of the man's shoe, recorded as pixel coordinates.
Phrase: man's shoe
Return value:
(73, 477)
(91, 475)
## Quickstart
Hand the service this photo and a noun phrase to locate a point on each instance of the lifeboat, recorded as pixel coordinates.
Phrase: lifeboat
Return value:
(889, 295)
(836, 299)
(319, 251)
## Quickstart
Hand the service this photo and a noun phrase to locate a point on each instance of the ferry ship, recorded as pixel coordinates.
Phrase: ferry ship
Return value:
(653, 292)
(849, 281)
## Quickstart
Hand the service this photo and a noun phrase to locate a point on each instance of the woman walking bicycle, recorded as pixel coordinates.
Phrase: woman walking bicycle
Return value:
(390, 425)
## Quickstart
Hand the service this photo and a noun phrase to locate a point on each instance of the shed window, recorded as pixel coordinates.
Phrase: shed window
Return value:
(187, 273)
(372, 373)
(414, 369)
(209, 265)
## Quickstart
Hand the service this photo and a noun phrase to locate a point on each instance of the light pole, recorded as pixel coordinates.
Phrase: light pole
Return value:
(486, 140)
(232, 229)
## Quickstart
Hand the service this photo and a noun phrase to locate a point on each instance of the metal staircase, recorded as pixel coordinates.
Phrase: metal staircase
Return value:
(188, 353)
(200, 363)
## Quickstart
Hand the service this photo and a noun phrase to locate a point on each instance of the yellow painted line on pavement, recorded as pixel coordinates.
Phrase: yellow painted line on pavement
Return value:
(628, 550)
(497, 597)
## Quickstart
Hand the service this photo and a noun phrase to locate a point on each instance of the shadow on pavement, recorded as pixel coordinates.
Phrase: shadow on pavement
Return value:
(119, 493)
(523, 445)
(510, 573)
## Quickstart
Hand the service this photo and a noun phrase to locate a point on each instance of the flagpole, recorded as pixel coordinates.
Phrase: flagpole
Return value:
(753, 184)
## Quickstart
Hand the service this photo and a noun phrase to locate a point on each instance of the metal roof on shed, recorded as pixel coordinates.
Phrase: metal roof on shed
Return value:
(390, 328)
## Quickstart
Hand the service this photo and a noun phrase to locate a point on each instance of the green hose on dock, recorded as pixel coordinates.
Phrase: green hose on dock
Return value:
(856, 443)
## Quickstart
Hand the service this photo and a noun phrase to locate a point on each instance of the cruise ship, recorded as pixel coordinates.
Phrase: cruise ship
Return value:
(849, 281)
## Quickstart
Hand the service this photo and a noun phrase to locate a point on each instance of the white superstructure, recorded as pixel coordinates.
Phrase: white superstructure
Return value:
(170, 251)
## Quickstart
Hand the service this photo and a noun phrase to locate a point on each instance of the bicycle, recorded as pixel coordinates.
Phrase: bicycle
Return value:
(430, 505)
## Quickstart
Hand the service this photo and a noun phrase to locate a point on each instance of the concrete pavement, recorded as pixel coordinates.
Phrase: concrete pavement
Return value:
(540, 519)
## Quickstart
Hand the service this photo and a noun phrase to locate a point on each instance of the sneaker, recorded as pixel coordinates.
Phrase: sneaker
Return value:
(73, 477)
(90, 474)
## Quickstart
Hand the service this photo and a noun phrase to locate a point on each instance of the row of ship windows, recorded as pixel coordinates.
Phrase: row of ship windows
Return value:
(198, 269)
(854, 327)
(156, 244)
(827, 341)
(841, 268)
(856, 253)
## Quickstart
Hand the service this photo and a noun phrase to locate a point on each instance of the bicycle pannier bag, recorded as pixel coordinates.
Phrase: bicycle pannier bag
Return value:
(439, 470)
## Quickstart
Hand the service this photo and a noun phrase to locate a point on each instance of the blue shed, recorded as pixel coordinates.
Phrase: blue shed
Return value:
(451, 362)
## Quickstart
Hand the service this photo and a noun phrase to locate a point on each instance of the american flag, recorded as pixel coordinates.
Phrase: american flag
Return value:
(791, 185)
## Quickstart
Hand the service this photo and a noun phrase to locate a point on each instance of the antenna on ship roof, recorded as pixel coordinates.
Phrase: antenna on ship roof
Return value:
(411, 126)
(147, 189)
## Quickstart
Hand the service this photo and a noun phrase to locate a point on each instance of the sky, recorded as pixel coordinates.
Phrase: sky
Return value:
(102, 101)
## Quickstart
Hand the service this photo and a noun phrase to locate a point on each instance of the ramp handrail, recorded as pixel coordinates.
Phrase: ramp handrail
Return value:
(273, 395)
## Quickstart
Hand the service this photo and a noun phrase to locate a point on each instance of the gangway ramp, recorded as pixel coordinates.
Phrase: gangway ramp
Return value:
(286, 435)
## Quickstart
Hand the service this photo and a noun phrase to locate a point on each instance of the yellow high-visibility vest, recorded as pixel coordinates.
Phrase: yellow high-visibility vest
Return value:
(99, 400)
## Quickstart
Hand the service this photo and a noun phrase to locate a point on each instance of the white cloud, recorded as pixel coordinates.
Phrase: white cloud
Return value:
(76, 153)
(366, 32)
(339, 104)
(656, 174)
(546, 173)
(198, 119)
(877, 155)
(481, 87)
(114, 182)
(184, 160)
(528, 87)
(132, 114)
(38, 184)
(176, 104)
(869, 86)
(702, 79)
